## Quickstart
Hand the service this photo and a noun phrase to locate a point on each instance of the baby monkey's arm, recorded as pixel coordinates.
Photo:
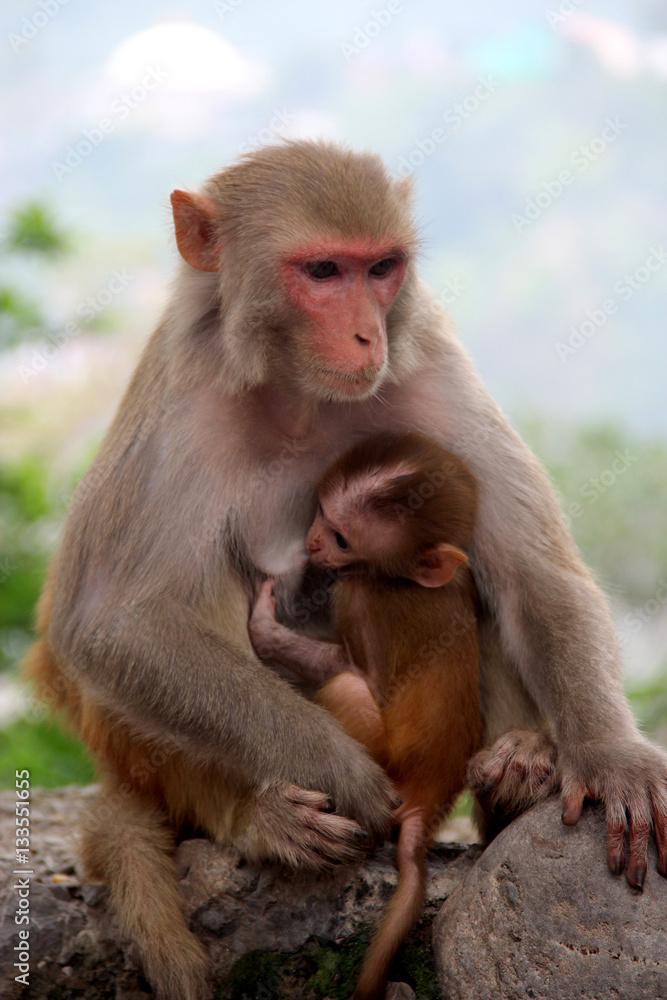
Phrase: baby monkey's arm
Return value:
(313, 659)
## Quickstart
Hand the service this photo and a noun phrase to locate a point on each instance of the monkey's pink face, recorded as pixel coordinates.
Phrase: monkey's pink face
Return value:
(341, 534)
(326, 545)
(344, 291)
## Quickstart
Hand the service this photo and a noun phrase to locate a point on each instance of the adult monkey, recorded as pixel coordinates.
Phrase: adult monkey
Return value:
(298, 325)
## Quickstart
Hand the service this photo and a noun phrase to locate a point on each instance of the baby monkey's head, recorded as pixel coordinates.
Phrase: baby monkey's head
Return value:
(394, 505)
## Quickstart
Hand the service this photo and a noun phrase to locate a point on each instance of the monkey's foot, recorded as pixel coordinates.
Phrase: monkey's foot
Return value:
(296, 826)
(518, 770)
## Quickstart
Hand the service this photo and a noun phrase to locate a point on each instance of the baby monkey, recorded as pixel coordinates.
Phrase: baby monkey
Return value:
(394, 515)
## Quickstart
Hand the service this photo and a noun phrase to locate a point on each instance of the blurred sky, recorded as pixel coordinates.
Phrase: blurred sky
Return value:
(535, 132)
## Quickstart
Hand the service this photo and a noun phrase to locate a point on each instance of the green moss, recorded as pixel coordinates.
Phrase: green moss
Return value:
(337, 966)
(414, 965)
(256, 976)
(318, 971)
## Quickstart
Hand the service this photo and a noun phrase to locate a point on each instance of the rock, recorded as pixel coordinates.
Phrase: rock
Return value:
(239, 911)
(399, 991)
(541, 916)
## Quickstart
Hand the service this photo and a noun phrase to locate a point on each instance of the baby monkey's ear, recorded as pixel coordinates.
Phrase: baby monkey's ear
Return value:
(437, 565)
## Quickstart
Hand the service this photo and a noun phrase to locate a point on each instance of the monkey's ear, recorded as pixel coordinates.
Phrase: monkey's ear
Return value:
(197, 238)
(437, 565)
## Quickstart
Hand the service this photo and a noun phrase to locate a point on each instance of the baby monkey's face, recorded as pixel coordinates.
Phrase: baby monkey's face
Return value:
(347, 531)
(342, 534)
(329, 542)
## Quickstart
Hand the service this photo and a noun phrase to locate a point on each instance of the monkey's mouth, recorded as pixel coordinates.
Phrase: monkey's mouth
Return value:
(352, 383)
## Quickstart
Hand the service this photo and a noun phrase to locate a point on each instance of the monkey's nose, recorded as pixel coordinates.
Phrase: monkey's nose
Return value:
(369, 346)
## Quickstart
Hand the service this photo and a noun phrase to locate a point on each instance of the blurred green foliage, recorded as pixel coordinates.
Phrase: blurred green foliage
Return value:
(30, 232)
(613, 491)
(649, 703)
(33, 227)
(47, 750)
(25, 542)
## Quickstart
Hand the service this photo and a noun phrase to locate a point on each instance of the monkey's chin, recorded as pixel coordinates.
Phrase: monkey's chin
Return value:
(341, 387)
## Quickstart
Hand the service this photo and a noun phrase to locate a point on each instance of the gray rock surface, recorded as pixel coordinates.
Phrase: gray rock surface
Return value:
(75, 949)
(538, 915)
(541, 916)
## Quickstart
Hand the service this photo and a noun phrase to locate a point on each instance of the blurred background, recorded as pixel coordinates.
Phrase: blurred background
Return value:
(536, 137)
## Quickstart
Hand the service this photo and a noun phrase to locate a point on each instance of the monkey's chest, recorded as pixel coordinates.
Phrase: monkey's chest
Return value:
(274, 520)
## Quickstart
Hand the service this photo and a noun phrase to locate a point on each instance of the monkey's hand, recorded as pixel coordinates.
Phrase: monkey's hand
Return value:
(313, 659)
(265, 605)
(518, 770)
(297, 827)
(630, 777)
(263, 628)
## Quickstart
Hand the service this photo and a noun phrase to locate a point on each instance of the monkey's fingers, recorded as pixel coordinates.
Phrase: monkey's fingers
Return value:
(323, 838)
(640, 830)
(265, 605)
(573, 803)
(660, 830)
(616, 846)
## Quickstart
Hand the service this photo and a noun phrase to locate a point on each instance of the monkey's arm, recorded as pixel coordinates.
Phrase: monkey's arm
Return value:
(554, 623)
(180, 684)
(313, 659)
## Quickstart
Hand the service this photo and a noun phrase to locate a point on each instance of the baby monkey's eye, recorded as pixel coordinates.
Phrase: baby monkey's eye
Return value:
(340, 541)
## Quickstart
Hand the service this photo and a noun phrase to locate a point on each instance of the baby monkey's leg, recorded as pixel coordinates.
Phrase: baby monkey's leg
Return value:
(349, 699)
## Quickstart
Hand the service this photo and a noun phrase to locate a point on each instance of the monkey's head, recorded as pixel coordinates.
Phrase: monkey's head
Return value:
(395, 506)
(312, 245)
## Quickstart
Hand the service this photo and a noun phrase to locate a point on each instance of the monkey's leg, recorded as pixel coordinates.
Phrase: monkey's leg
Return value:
(127, 844)
(403, 907)
(517, 766)
(349, 699)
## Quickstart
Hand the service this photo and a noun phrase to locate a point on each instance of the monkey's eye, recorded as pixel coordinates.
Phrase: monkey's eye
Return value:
(382, 267)
(340, 541)
(322, 269)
